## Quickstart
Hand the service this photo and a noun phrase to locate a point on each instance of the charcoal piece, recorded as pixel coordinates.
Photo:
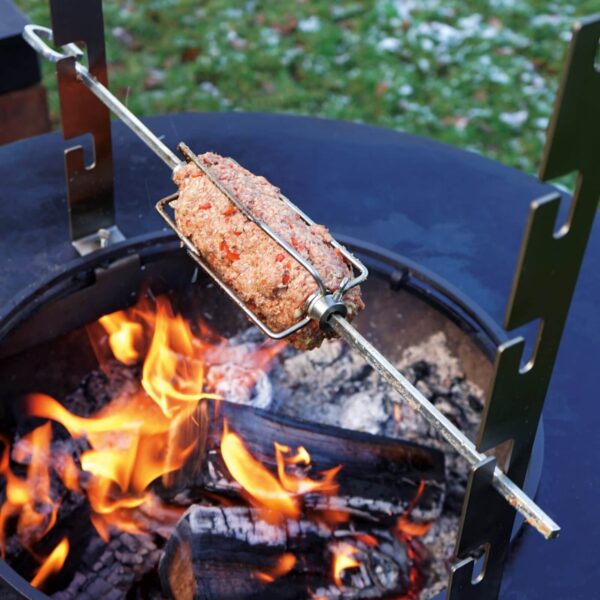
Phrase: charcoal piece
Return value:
(112, 570)
(100, 386)
(73, 516)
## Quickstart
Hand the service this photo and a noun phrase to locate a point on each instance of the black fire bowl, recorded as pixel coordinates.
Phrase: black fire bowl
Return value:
(451, 212)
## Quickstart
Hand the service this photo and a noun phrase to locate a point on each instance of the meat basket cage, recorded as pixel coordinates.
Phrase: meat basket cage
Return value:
(487, 520)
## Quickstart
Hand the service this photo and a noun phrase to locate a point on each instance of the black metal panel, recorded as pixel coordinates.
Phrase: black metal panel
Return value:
(544, 282)
(574, 131)
(19, 66)
(89, 186)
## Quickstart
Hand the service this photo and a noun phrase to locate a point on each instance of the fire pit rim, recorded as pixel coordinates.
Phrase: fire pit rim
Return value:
(24, 304)
(423, 282)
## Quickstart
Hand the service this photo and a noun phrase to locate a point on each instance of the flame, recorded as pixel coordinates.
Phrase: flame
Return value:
(255, 478)
(405, 527)
(343, 559)
(124, 336)
(145, 434)
(285, 563)
(367, 539)
(408, 532)
(29, 499)
(67, 470)
(52, 564)
(281, 496)
(301, 484)
(411, 529)
(173, 370)
(148, 431)
(129, 439)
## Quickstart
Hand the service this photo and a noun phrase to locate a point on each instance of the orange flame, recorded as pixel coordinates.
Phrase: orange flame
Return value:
(141, 435)
(124, 336)
(52, 564)
(367, 539)
(285, 563)
(407, 531)
(343, 559)
(255, 478)
(283, 495)
(174, 368)
(29, 499)
(300, 484)
(67, 470)
(129, 439)
(411, 529)
(147, 434)
(407, 528)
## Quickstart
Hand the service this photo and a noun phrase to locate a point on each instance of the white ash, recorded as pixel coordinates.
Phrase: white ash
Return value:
(440, 539)
(232, 373)
(232, 382)
(239, 523)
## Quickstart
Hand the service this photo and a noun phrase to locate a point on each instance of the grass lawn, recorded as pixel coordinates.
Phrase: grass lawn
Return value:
(477, 74)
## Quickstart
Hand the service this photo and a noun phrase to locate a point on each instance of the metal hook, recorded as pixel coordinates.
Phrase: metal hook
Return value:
(36, 34)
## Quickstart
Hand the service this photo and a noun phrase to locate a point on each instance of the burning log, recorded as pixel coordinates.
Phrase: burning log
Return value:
(379, 477)
(227, 553)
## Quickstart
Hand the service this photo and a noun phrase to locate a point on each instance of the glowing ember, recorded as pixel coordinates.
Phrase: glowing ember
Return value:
(343, 559)
(52, 564)
(367, 539)
(405, 527)
(411, 529)
(408, 531)
(285, 564)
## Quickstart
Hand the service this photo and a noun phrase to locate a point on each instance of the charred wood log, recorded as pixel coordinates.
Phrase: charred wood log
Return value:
(380, 477)
(231, 553)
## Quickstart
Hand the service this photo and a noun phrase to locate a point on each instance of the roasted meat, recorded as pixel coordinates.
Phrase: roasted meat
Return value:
(266, 278)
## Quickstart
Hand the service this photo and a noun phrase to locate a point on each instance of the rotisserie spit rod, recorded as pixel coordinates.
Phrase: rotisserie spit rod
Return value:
(532, 513)
(324, 306)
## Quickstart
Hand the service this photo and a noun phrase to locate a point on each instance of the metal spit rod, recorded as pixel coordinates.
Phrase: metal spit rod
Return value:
(532, 513)
(35, 36)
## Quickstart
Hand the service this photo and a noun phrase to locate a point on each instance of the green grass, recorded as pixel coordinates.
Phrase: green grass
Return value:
(479, 75)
